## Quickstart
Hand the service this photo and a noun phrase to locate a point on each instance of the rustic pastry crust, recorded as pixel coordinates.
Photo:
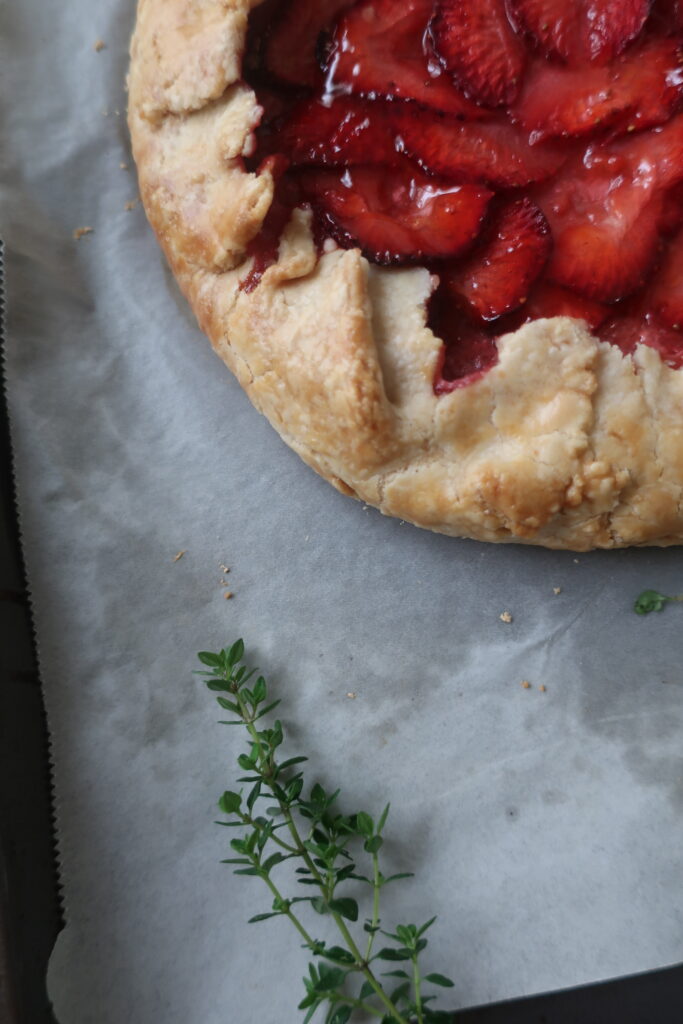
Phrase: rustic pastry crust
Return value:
(565, 443)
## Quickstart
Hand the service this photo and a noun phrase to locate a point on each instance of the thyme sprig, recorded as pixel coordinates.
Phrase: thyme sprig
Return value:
(653, 601)
(346, 979)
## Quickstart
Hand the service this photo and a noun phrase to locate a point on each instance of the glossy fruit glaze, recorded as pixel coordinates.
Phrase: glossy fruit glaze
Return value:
(528, 152)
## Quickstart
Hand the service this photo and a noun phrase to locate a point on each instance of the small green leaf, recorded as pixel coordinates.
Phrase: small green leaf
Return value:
(395, 974)
(383, 818)
(650, 601)
(424, 927)
(236, 652)
(320, 905)
(292, 761)
(207, 658)
(249, 871)
(439, 979)
(373, 845)
(246, 763)
(228, 705)
(260, 690)
(339, 954)
(393, 954)
(345, 907)
(273, 860)
(262, 917)
(217, 685)
(366, 990)
(341, 1015)
(364, 824)
(253, 796)
(266, 710)
(294, 789)
(395, 878)
(230, 803)
(329, 978)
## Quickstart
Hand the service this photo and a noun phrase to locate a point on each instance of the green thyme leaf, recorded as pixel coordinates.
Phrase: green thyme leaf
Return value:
(327, 844)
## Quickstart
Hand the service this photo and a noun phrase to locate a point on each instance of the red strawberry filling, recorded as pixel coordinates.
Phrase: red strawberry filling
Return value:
(528, 152)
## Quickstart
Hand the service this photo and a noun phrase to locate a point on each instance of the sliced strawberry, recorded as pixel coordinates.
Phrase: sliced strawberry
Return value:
(495, 152)
(638, 90)
(347, 132)
(378, 49)
(477, 44)
(496, 278)
(581, 30)
(665, 294)
(605, 210)
(548, 300)
(399, 218)
(469, 349)
(626, 332)
(291, 51)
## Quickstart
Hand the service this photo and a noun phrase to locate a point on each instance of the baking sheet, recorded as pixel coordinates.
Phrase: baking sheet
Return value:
(546, 828)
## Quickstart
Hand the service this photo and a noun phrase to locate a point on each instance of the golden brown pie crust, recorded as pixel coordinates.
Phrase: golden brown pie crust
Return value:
(565, 443)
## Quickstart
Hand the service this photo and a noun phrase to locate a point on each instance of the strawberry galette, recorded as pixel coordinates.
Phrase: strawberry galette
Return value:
(440, 243)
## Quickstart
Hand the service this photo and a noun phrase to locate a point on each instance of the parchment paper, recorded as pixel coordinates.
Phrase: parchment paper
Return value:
(546, 829)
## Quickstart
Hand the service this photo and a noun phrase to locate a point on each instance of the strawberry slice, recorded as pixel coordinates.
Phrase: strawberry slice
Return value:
(638, 90)
(398, 218)
(665, 296)
(581, 30)
(476, 43)
(496, 278)
(378, 49)
(291, 51)
(346, 132)
(548, 300)
(494, 151)
(626, 332)
(605, 210)
(469, 350)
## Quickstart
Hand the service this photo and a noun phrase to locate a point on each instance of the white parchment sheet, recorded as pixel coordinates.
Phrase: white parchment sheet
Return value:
(546, 829)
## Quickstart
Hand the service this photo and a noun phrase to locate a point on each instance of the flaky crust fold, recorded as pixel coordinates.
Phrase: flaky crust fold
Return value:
(565, 443)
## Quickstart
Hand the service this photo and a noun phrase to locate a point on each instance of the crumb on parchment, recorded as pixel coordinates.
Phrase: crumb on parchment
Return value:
(543, 688)
(79, 233)
(506, 617)
(557, 590)
(224, 568)
(351, 695)
(526, 685)
(132, 203)
(99, 45)
(180, 554)
(123, 166)
(228, 595)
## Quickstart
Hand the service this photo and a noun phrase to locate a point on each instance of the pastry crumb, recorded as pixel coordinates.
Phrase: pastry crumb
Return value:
(99, 45)
(576, 561)
(506, 617)
(351, 695)
(526, 685)
(557, 590)
(228, 595)
(123, 166)
(176, 558)
(79, 233)
(543, 688)
(132, 203)
(224, 568)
